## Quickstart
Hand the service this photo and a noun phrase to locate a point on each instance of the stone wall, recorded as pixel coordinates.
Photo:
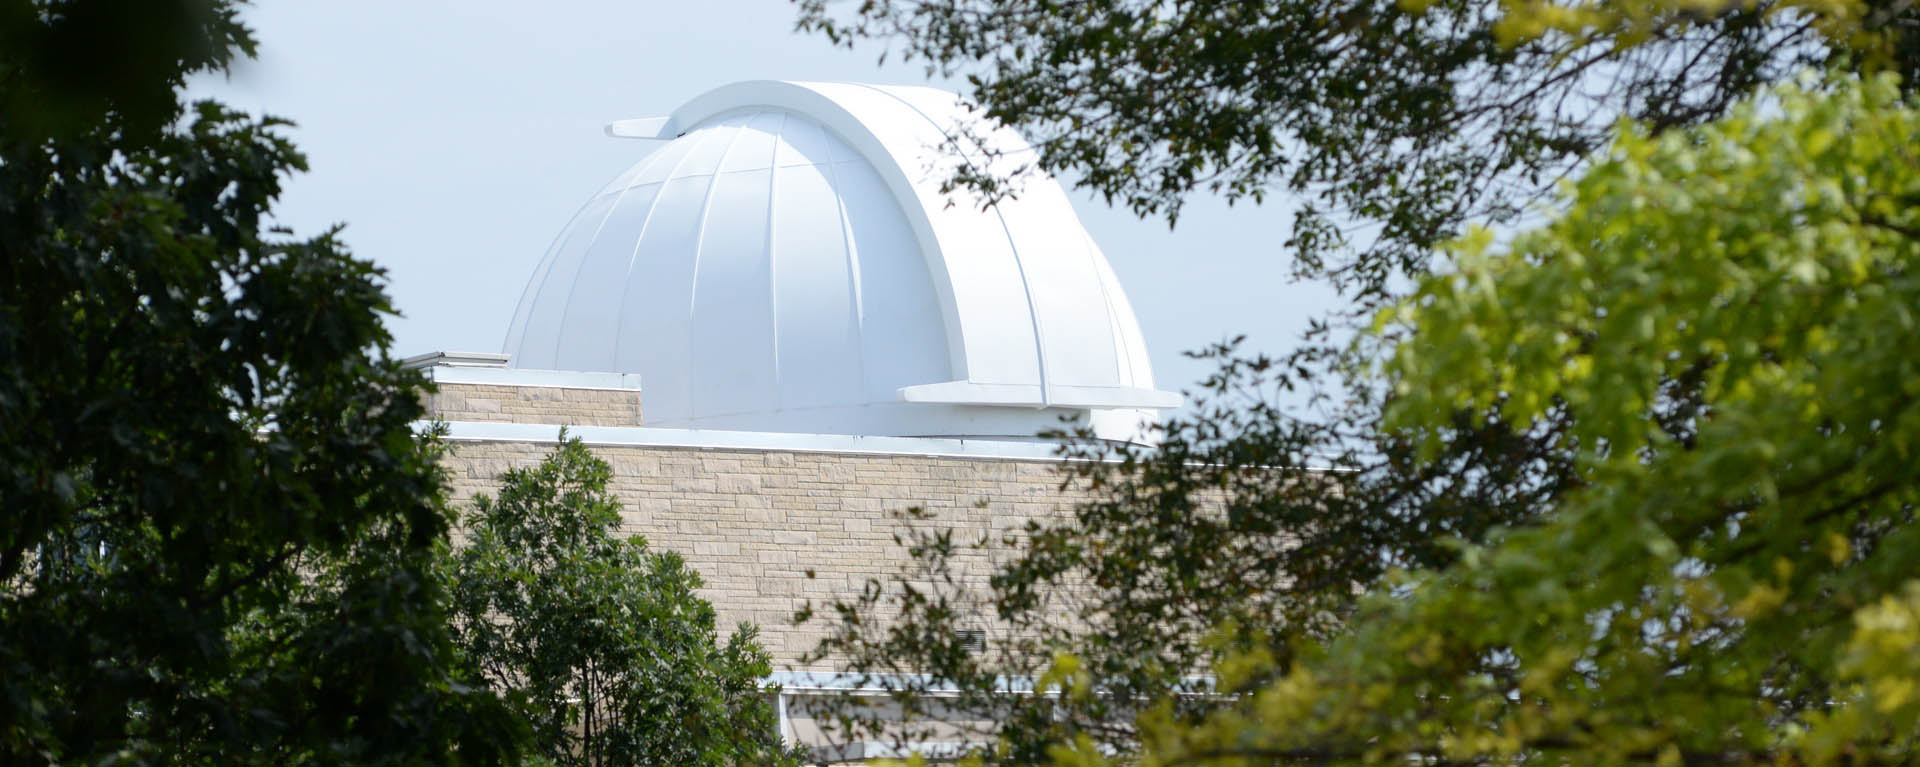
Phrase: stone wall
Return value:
(753, 522)
(560, 406)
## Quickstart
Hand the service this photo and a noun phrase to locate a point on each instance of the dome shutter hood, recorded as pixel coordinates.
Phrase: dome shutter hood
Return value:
(787, 262)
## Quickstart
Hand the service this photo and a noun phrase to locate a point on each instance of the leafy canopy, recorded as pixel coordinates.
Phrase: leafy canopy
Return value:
(1390, 124)
(1395, 125)
(1741, 595)
(67, 66)
(1240, 517)
(219, 524)
(600, 643)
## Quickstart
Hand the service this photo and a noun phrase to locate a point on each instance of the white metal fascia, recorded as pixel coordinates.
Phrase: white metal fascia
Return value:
(715, 439)
(551, 379)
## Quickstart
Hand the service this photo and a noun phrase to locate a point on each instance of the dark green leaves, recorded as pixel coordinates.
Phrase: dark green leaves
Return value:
(218, 525)
(602, 645)
(67, 65)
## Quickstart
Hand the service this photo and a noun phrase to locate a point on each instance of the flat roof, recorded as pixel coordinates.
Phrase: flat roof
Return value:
(546, 379)
(715, 439)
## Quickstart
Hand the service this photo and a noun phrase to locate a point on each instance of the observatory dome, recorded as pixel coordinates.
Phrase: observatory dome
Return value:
(785, 261)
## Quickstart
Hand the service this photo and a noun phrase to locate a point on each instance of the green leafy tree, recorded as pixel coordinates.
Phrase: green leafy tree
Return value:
(1414, 117)
(219, 524)
(1391, 123)
(1241, 516)
(601, 644)
(1741, 593)
(55, 80)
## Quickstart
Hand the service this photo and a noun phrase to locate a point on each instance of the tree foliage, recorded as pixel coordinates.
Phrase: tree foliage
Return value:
(601, 644)
(1211, 567)
(219, 523)
(1243, 529)
(1712, 343)
(67, 66)
(1390, 123)
(1742, 593)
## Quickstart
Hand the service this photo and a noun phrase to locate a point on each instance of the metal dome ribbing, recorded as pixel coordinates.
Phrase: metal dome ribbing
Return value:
(787, 263)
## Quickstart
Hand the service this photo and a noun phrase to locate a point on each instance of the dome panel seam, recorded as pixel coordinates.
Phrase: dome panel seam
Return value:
(626, 284)
(700, 245)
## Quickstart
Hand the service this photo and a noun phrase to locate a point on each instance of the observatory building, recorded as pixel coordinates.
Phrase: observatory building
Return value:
(779, 332)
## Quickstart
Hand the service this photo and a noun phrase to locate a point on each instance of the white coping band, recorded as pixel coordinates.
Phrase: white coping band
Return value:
(714, 439)
(555, 379)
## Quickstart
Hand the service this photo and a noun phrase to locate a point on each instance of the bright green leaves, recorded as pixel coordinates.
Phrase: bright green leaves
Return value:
(1722, 320)
(1759, 249)
(1871, 31)
(1642, 463)
(1882, 675)
(602, 645)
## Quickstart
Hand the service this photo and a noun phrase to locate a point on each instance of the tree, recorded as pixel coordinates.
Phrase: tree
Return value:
(1741, 593)
(1392, 123)
(1241, 530)
(219, 523)
(602, 644)
(1215, 547)
(55, 82)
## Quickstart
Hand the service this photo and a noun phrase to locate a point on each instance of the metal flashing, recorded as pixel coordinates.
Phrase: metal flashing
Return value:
(549, 379)
(457, 359)
(787, 442)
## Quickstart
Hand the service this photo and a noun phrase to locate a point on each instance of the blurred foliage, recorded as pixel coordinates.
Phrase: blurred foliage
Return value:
(1881, 34)
(219, 525)
(68, 66)
(1743, 595)
(1388, 125)
(601, 644)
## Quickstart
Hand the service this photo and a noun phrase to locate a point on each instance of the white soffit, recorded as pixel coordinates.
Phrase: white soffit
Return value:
(789, 251)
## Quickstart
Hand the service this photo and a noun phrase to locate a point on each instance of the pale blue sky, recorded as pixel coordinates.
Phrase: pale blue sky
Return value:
(456, 138)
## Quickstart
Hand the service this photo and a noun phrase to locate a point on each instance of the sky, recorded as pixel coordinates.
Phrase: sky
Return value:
(454, 139)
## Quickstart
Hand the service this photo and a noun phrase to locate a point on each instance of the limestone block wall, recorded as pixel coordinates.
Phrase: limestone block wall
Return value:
(560, 406)
(753, 522)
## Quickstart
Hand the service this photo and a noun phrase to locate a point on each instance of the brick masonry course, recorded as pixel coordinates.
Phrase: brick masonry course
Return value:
(535, 404)
(753, 522)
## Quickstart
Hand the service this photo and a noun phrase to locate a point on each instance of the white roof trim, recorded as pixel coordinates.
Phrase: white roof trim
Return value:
(550, 379)
(712, 439)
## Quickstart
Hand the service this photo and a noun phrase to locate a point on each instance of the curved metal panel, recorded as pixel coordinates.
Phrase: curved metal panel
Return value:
(787, 261)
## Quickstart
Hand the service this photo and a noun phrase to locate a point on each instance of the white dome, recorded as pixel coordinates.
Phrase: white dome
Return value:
(787, 263)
